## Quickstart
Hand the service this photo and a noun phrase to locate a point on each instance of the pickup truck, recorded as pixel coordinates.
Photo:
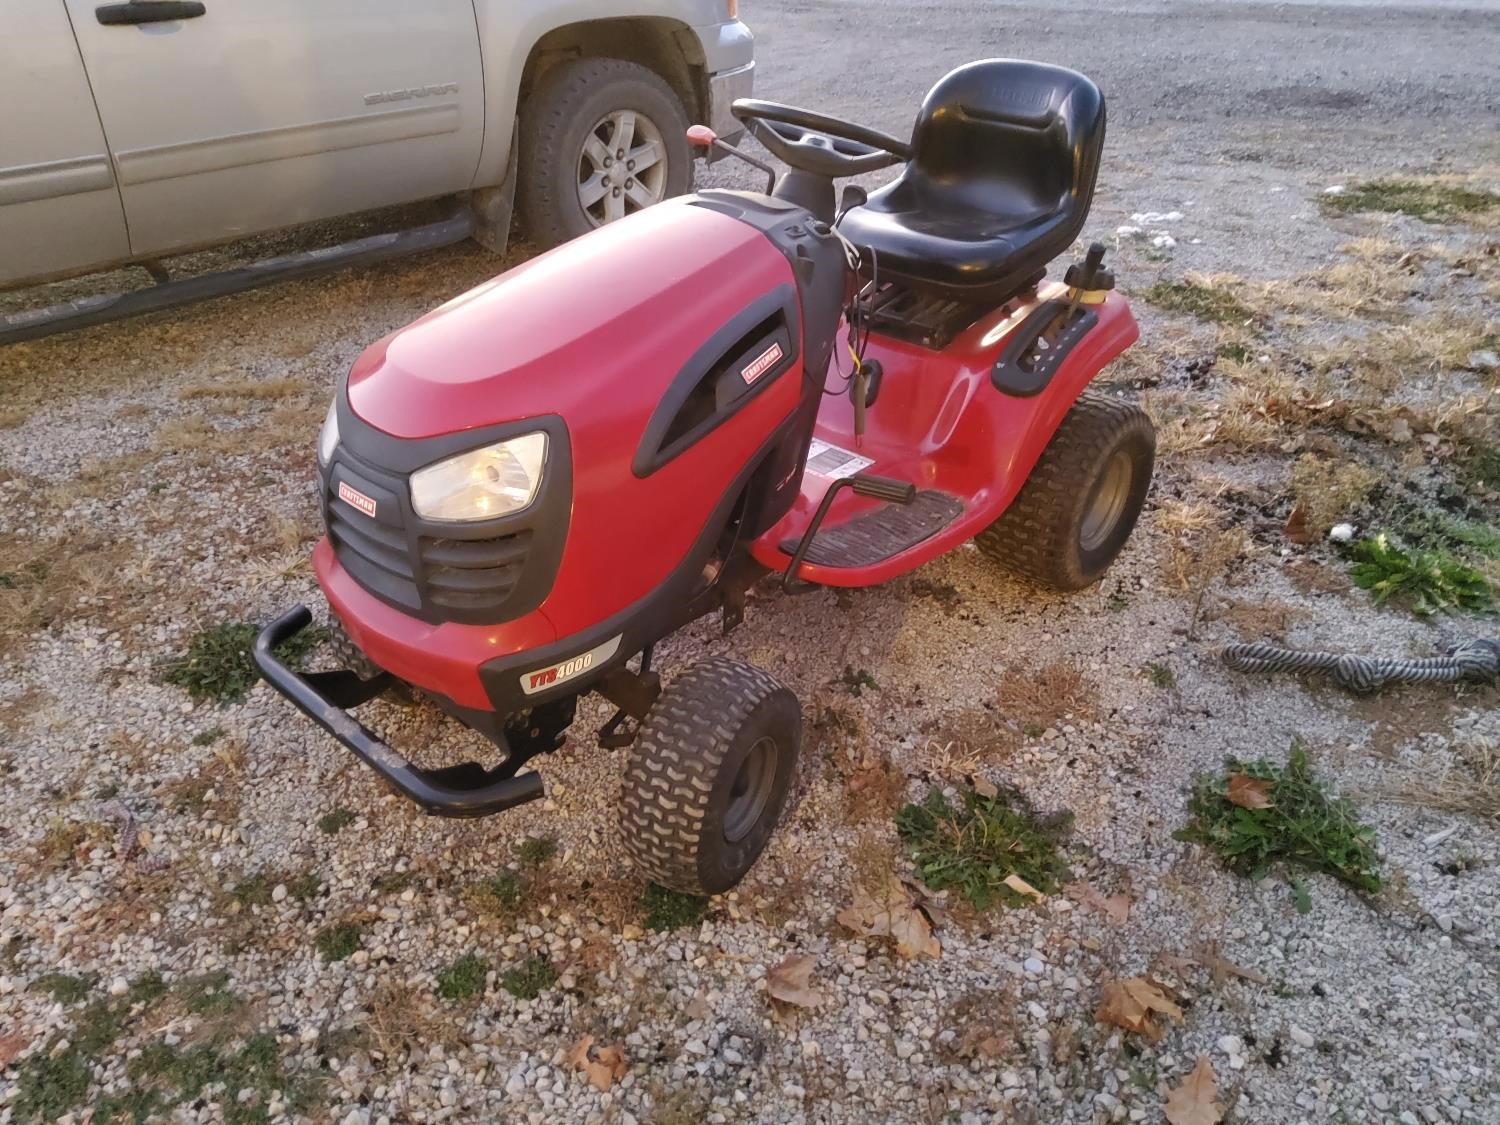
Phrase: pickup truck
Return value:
(134, 131)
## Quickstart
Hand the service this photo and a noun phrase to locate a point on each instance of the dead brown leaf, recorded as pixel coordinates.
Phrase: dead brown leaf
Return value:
(1296, 527)
(790, 981)
(991, 1047)
(1207, 956)
(1195, 1102)
(1115, 907)
(1022, 887)
(602, 1067)
(1130, 1004)
(891, 911)
(1248, 792)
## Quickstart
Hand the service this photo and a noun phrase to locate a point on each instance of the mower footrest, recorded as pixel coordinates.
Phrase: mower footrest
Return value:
(882, 532)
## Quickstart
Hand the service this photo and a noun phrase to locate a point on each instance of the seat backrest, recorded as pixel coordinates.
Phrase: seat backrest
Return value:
(1012, 137)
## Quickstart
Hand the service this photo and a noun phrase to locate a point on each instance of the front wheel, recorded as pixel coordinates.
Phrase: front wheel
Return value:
(708, 776)
(600, 139)
(1079, 506)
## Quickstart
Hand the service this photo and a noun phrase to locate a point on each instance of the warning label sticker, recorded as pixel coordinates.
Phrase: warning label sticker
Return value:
(831, 461)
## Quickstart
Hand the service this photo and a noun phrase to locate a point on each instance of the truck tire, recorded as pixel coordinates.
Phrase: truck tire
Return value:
(1080, 504)
(577, 169)
(708, 776)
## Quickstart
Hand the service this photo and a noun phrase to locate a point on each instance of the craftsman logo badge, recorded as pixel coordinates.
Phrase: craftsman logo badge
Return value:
(563, 671)
(356, 499)
(761, 364)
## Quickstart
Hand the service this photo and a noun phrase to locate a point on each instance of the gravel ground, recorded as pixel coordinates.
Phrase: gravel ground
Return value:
(165, 493)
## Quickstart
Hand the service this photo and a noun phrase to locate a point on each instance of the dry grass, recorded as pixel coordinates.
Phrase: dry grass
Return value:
(296, 424)
(1198, 559)
(1042, 697)
(402, 1016)
(11, 417)
(46, 583)
(1312, 577)
(1469, 785)
(1392, 356)
(198, 435)
(100, 478)
(1327, 492)
(1182, 425)
(962, 742)
(243, 387)
(1261, 620)
(873, 788)
(1178, 517)
(1376, 279)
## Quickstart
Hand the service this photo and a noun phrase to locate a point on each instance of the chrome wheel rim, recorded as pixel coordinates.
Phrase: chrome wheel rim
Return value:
(750, 792)
(1108, 502)
(622, 168)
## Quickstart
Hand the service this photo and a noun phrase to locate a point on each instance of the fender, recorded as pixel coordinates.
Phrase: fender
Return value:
(943, 423)
(511, 30)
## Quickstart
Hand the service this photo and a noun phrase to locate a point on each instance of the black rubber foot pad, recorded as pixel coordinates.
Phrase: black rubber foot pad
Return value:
(879, 534)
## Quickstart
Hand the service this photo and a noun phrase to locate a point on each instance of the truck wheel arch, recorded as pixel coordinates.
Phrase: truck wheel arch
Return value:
(666, 46)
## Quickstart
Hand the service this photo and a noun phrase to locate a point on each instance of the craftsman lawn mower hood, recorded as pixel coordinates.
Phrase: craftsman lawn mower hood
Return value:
(593, 331)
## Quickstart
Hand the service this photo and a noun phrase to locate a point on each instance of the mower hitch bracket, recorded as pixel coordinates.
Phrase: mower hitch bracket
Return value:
(467, 790)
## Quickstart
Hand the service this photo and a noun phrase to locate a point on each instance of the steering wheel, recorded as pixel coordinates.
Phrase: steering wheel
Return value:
(817, 143)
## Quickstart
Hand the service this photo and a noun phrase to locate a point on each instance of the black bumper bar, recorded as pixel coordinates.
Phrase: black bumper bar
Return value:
(465, 790)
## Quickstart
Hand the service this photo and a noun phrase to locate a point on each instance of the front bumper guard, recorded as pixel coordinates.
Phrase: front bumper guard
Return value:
(465, 790)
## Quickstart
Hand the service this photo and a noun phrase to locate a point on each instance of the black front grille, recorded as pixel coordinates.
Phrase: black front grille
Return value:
(472, 574)
(480, 573)
(441, 578)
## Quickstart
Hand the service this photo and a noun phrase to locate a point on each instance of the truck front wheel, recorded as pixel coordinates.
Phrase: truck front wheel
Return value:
(600, 139)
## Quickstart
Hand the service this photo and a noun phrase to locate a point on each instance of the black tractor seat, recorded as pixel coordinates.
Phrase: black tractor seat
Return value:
(1004, 157)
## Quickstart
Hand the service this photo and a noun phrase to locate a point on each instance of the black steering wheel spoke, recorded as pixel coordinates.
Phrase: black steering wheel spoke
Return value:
(819, 144)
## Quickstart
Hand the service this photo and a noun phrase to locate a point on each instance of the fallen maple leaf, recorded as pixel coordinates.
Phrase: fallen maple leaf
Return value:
(1130, 1004)
(1195, 1102)
(1116, 907)
(1022, 887)
(891, 912)
(1248, 792)
(10, 1047)
(791, 981)
(603, 1068)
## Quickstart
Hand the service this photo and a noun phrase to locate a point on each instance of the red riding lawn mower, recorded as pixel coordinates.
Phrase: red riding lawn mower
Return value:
(527, 488)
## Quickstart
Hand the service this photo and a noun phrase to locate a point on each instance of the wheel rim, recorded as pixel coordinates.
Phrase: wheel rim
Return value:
(1107, 504)
(751, 791)
(622, 168)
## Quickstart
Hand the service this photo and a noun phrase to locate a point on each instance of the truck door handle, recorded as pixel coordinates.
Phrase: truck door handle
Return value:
(149, 11)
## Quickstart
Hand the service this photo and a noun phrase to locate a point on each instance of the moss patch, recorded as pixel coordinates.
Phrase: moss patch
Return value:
(1422, 199)
(1215, 305)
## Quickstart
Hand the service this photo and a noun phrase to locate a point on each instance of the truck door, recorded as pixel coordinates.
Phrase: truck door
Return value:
(59, 207)
(228, 117)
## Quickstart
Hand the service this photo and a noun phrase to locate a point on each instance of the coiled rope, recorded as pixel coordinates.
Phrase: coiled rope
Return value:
(1477, 660)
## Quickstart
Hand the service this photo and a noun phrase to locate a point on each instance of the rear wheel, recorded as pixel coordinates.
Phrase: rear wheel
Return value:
(1081, 502)
(600, 139)
(708, 776)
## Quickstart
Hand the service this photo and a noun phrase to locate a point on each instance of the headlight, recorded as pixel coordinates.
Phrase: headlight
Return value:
(483, 483)
(328, 436)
